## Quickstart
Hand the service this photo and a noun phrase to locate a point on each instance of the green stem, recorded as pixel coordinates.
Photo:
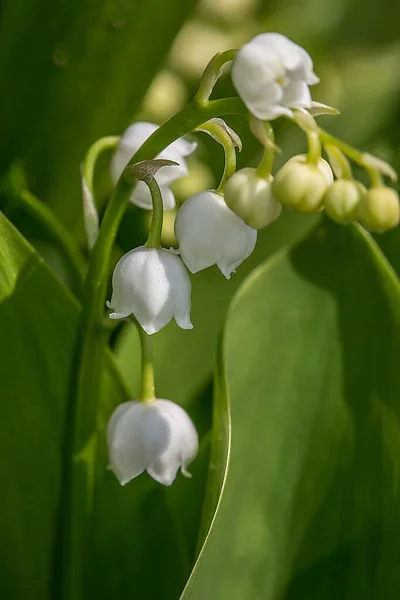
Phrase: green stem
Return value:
(352, 153)
(154, 239)
(264, 169)
(314, 147)
(219, 133)
(90, 213)
(89, 164)
(211, 75)
(86, 383)
(375, 178)
(147, 386)
(369, 162)
(339, 163)
(61, 236)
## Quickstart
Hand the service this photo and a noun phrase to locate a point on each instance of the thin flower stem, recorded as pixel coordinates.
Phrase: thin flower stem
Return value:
(147, 385)
(61, 236)
(375, 178)
(339, 163)
(375, 167)
(264, 169)
(154, 239)
(90, 214)
(308, 124)
(78, 487)
(219, 133)
(352, 153)
(211, 75)
(314, 147)
(92, 155)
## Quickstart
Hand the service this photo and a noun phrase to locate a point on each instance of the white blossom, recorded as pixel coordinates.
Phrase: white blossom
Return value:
(209, 233)
(130, 142)
(272, 75)
(158, 437)
(153, 285)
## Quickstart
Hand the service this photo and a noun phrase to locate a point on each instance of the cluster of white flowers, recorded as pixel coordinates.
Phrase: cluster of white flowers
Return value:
(272, 76)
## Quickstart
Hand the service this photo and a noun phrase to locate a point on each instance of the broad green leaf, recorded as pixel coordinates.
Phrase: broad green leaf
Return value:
(310, 507)
(133, 532)
(38, 322)
(75, 71)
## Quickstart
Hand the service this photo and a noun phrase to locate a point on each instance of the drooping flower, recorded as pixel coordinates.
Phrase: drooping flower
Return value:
(158, 437)
(250, 197)
(272, 75)
(209, 233)
(153, 285)
(130, 142)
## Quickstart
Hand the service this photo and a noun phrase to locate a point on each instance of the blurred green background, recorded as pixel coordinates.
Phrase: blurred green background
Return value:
(75, 70)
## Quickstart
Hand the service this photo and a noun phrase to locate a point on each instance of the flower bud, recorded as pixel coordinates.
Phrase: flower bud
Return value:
(153, 285)
(302, 185)
(342, 200)
(250, 198)
(158, 437)
(209, 233)
(379, 209)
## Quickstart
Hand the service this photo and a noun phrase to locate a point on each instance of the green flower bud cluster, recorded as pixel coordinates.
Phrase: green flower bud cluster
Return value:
(377, 209)
(309, 188)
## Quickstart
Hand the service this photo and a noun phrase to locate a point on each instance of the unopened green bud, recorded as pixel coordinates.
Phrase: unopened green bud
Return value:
(379, 209)
(302, 185)
(323, 165)
(342, 200)
(250, 198)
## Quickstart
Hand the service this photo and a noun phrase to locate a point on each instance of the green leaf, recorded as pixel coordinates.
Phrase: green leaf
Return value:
(310, 507)
(75, 71)
(38, 321)
(134, 531)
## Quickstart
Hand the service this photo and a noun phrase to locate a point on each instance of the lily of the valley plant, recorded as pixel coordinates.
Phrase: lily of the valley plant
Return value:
(151, 284)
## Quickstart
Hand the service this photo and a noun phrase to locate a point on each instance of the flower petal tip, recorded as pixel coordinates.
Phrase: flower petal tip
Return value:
(116, 316)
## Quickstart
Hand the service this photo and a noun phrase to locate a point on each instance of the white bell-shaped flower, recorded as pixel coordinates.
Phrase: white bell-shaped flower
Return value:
(130, 142)
(158, 437)
(272, 75)
(209, 233)
(153, 285)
